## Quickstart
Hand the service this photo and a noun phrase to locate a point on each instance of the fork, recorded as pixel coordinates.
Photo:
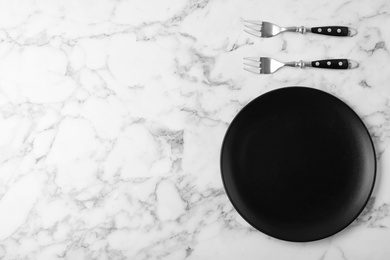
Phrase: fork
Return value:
(266, 29)
(265, 65)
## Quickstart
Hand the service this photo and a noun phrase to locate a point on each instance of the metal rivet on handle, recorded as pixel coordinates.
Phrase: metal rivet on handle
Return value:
(340, 63)
(329, 30)
(339, 30)
(319, 30)
(317, 63)
(328, 63)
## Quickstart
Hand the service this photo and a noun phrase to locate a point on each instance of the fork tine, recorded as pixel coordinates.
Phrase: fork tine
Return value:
(253, 27)
(254, 22)
(257, 59)
(253, 65)
(257, 71)
(253, 33)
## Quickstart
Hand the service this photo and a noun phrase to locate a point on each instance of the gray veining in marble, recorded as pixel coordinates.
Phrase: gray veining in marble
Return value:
(112, 114)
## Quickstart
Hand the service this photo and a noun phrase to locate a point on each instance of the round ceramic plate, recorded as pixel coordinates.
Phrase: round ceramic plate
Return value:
(298, 164)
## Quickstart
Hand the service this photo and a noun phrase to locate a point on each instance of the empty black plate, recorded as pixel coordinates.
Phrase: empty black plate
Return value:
(298, 164)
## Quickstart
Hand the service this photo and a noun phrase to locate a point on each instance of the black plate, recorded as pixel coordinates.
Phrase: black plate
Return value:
(298, 164)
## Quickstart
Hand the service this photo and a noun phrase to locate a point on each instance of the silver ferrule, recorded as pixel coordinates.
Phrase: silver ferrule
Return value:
(352, 64)
(352, 32)
(298, 64)
(300, 29)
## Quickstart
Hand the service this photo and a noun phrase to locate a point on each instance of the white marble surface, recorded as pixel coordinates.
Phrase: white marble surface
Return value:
(112, 115)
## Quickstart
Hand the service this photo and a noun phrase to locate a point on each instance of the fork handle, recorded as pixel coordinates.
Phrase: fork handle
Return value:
(332, 30)
(332, 64)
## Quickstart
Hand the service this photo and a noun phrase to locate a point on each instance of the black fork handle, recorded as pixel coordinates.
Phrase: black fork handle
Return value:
(332, 30)
(332, 64)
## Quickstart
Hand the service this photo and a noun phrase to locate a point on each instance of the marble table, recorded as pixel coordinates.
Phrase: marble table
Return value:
(112, 115)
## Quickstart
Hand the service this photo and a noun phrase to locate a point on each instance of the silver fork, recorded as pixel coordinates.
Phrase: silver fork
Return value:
(265, 65)
(266, 29)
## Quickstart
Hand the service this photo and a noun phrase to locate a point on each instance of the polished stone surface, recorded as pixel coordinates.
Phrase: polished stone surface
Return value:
(112, 115)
